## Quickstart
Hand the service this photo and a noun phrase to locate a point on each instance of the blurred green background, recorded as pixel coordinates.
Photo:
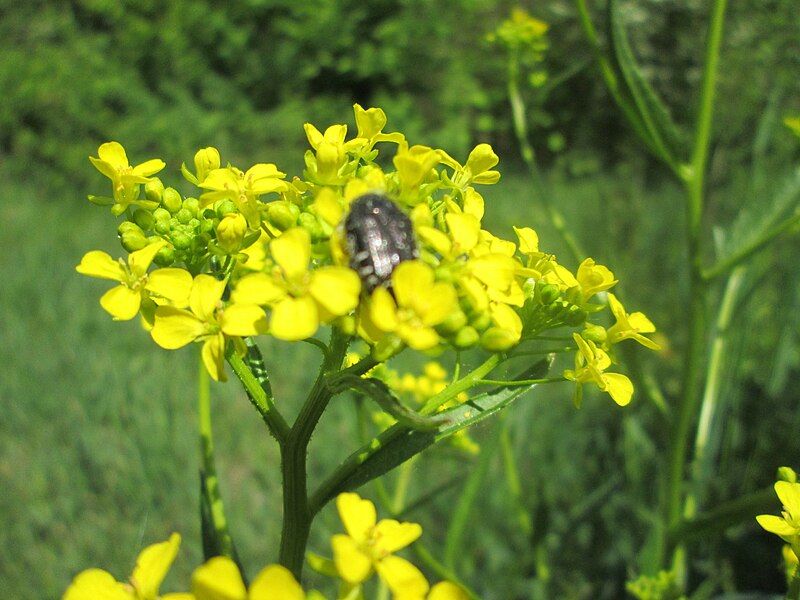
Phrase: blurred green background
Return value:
(98, 448)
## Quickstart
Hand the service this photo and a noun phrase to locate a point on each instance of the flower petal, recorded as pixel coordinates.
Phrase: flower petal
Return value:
(404, 579)
(205, 296)
(121, 302)
(175, 327)
(353, 565)
(446, 590)
(335, 288)
(153, 564)
(358, 515)
(383, 310)
(218, 579)
(114, 154)
(171, 283)
(776, 525)
(140, 261)
(243, 320)
(789, 495)
(96, 584)
(213, 355)
(292, 251)
(392, 535)
(99, 264)
(275, 582)
(257, 288)
(294, 318)
(619, 387)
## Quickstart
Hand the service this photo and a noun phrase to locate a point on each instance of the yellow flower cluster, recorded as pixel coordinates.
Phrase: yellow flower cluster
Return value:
(256, 253)
(368, 547)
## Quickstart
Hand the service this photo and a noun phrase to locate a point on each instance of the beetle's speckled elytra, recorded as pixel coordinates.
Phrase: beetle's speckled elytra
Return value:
(379, 236)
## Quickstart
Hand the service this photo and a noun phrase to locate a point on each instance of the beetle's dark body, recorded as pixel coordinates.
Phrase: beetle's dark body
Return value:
(379, 237)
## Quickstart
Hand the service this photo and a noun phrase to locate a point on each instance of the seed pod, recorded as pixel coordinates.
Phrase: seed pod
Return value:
(379, 236)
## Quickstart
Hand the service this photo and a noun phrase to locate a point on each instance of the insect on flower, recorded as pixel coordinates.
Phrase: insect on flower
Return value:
(379, 237)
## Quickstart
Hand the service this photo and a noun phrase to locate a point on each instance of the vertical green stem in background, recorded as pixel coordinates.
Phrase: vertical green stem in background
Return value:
(297, 514)
(218, 541)
(696, 351)
(711, 408)
(520, 121)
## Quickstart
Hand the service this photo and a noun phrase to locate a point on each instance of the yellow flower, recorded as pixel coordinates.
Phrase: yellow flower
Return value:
(205, 161)
(370, 125)
(244, 189)
(326, 164)
(787, 526)
(590, 361)
(593, 278)
(369, 543)
(219, 579)
(629, 326)
(414, 167)
(418, 305)
(477, 168)
(300, 299)
(125, 179)
(151, 568)
(124, 301)
(208, 322)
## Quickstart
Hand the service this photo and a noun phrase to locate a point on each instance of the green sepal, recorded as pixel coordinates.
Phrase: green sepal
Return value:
(188, 175)
(322, 565)
(101, 200)
(399, 443)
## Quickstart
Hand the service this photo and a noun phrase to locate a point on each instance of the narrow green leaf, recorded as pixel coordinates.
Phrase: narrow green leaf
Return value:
(662, 134)
(399, 443)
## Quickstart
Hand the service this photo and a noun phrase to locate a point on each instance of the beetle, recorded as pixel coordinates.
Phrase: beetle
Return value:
(379, 236)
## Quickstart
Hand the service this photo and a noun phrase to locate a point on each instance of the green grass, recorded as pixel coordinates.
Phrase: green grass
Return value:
(99, 452)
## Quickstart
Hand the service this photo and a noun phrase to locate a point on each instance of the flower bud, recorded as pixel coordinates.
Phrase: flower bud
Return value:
(184, 216)
(230, 232)
(224, 207)
(787, 474)
(282, 214)
(495, 339)
(171, 200)
(165, 257)
(127, 227)
(467, 337)
(192, 205)
(144, 219)
(206, 160)
(181, 240)
(594, 333)
(575, 316)
(133, 240)
(161, 214)
(453, 323)
(548, 292)
(153, 190)
(311, 224)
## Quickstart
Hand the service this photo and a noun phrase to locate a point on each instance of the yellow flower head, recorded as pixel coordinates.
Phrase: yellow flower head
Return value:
(418, 305)
(629, 326)
(477, 168)
(369, 544)
(243, 188)
(124, 301)
(590, 362)
(113, 162)
(787, 526)
(208, 322)
(300, 299)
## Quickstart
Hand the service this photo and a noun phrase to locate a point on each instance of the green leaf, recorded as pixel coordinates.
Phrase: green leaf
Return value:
(660, 132)
(399, 443)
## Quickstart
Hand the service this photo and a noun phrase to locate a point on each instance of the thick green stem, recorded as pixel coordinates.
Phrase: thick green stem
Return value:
(297, 513)
(695, 355)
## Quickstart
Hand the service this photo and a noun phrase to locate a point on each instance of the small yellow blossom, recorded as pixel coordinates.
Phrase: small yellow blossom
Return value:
(300, 299)
(590, 361)
(370, 123)
(477, 168)
(151, 567)
(205, 161)
(593, 278)
(124, 301)
(369, 544)
(629, 326)
(418, 305)
(243, 188)
(208, 322)
(113, 162)
(787, 526)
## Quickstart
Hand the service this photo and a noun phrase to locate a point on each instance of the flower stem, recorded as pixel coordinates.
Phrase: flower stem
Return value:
(297, 514)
